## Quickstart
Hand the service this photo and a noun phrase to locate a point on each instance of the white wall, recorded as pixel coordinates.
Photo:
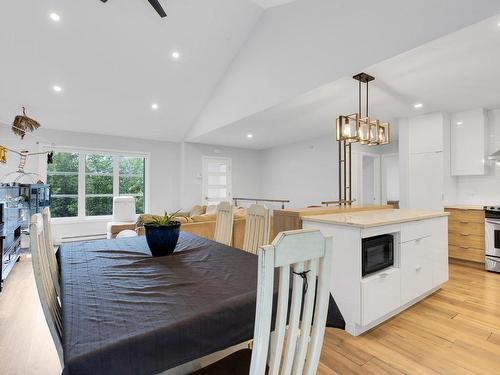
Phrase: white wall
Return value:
(483, 190)
(305, 172)
(164, 166)
(246, 175)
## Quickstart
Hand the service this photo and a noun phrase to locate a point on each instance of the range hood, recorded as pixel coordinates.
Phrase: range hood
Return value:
(495, 156)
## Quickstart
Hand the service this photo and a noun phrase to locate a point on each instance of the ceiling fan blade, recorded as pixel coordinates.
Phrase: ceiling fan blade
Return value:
(104, 1)
(156, 4)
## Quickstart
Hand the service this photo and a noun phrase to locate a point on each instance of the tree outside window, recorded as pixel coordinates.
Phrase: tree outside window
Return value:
(101, 177)
(62, 175)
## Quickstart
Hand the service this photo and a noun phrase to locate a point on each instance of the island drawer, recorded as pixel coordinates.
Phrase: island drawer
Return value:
(380, 294)
(416, 268)
(416, 230)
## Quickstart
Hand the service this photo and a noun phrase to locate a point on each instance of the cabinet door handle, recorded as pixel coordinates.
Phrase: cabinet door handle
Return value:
(383, 275)
(464, 234)
(464, 247)
(418, 268)
(464, 222)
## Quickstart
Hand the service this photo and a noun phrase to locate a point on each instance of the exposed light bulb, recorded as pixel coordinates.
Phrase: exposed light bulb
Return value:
(57, 88)
(249, 136)
(418, 105)
(154, 106)
(176, 55)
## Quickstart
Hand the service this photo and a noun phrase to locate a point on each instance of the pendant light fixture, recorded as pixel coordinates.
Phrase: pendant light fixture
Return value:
(361, 128)
(356, 127)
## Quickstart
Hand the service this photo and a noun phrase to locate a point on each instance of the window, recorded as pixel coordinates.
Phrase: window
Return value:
(216, 179)
(84, 183)
(62, 175)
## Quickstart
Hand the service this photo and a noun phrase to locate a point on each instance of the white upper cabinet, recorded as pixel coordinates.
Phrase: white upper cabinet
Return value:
(426, 133)
(468, 143)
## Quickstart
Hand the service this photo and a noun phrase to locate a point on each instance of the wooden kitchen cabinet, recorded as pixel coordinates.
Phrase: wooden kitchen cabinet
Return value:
(466, 234)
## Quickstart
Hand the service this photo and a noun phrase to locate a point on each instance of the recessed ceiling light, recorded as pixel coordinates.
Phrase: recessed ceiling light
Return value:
(418, 105)
(154, 106)
(57, 88)
(459, 123)
(249, 136)
(176, 55)
(55, 17)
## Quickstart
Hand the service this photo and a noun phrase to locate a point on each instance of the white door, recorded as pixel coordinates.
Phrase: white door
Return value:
(370, 179)
(216, 180)
(390, 177)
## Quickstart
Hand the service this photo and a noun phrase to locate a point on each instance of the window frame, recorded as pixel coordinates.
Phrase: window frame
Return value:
(116, 154)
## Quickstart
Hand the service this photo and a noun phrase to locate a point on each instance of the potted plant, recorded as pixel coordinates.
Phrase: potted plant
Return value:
(162, 233)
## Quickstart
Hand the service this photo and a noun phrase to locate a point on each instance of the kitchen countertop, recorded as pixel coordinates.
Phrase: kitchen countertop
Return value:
(320, 210)
(464, 207)
(368, 219)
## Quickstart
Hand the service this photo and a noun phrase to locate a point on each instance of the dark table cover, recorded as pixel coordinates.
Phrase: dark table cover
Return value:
(125, 312)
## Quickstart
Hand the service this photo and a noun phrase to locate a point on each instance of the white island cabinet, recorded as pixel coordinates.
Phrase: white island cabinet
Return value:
(420, 262)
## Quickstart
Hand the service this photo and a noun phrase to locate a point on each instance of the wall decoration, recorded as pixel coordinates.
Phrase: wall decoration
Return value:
(23, 124)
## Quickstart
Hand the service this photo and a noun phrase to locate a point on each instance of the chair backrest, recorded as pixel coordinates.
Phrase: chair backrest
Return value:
(224, 223)
(124, 209)
(308, 255)
(46, 291)
(50, 249)
(256, 228)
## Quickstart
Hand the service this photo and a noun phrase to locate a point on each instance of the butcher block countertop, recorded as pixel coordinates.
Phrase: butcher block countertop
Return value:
(368, 219)
(329, 210)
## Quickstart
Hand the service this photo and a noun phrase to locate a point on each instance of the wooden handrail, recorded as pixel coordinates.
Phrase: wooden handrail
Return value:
(347, 202)
(257, 200)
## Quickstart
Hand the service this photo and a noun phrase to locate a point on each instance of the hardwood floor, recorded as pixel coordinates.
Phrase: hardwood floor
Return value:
(454, 331)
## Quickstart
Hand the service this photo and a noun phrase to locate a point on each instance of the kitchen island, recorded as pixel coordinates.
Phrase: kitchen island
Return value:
(384, 261)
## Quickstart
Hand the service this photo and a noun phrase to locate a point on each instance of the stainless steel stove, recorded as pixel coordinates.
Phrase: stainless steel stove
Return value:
(492, 232)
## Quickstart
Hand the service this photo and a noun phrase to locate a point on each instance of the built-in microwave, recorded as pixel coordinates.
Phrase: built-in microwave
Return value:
(378, 253)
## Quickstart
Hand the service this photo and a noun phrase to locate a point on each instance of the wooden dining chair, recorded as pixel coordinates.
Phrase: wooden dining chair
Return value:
(50, 249)
(43, 279)
(256, 228)
(224, 223)
(295, 348)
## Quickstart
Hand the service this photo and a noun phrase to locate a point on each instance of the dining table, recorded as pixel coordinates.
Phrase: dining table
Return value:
(127, 312)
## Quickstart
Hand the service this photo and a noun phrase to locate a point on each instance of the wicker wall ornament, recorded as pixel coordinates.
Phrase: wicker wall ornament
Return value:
(23, 124)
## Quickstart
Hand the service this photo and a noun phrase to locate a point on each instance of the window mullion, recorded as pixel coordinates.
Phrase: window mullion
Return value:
(116, 176)
(81, 185)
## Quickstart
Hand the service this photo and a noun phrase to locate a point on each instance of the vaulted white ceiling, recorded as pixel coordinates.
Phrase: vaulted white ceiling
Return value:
(454, 73)
(114, 60)
(244, 64)
(307, 44)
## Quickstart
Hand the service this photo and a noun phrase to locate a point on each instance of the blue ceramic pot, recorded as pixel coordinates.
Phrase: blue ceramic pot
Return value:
(162, 239)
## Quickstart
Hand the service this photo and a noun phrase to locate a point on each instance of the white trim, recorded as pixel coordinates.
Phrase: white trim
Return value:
(82, 209)
(104, 151)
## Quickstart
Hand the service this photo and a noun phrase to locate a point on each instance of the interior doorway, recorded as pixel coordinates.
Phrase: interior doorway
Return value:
(370, 179)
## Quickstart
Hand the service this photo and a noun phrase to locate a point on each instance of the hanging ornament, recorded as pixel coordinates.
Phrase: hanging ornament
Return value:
(23, 124)
(3, 155)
